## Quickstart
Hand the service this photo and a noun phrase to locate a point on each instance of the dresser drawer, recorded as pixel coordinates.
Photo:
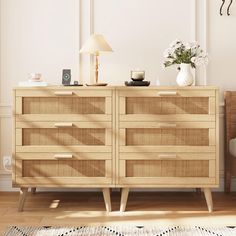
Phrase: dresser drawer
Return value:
(63, 137)
(154, 136)
(167, 168)
(63, 105)
(65, 171)
(167, 105)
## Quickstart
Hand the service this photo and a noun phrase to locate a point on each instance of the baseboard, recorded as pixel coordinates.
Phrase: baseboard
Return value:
(6, 186)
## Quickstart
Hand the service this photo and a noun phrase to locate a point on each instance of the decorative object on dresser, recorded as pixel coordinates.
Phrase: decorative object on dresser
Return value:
(34, 80)
(95, 45)
(230, 133)
(137, 79)
(66, 76)
(186, 55)
(63, 138)
(123, 137)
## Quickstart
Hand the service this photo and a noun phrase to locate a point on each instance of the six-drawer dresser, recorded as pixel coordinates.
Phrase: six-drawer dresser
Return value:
(124, 137)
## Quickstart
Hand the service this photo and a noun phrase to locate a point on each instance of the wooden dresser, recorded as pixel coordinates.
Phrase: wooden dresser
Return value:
(122, 137)
(63, 138)
(168, 138)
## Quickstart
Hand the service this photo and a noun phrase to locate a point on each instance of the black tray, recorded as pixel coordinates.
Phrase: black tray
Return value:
(137, 83)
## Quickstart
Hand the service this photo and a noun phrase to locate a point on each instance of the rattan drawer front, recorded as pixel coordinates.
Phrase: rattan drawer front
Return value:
(165, 169)
(189, 137)
(57, 172)
(173, 105)
(64, 105)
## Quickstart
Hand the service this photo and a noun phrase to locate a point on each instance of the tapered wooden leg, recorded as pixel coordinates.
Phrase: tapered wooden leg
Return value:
(33, 190)
(207, 193)
(23, 194)
(107, 198)
(124, 198)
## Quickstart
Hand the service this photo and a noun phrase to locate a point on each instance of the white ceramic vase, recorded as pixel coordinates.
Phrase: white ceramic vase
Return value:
(185, 77)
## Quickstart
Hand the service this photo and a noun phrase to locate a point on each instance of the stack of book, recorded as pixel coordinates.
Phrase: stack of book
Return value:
(34, 80)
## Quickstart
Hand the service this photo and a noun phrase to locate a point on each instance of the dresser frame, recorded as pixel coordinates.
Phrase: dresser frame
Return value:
(117, 124)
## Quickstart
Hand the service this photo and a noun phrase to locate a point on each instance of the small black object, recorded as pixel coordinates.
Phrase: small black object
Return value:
(137, 83)
(66, 77)
(139, 79)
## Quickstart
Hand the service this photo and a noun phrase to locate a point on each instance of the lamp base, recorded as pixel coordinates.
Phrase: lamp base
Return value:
(97, 84)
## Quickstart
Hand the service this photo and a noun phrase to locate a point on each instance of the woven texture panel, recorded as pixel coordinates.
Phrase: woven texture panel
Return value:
(172, 105)
(165, 137)
(75, 168)
(159, 168)
(64, 136)
(83, 105)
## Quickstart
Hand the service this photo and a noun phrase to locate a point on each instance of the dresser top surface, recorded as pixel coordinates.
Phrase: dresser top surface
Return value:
(116, 87)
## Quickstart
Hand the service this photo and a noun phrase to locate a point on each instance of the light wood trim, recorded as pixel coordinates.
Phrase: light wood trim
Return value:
(167, 118)
(108, 168)
(62, 118)
(63, 156)
(186, 149)
(59, 125)
(18, 137)
(122, 105)
(117, 123)
(167, 156)
(212, 137)
(114, 140)
(62, 181)
(167, 125)
(63, 149)
(187, 124)
(92, 124)
(212, 168)
(122, 169)
(13, 176)
(23, 195)
(212, 105)
(208, 196)
(124, 199)
(76, 156)
(155, 156)
(217, 138)
(18, 105)
(122, 137)
(167, 93)
(166, 181)
(108, 105)
(47, 92)
(107, 198)
(180, 92)
(108, 137)
(63, 93)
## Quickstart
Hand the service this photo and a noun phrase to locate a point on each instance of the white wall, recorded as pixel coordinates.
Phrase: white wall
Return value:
(45, 36)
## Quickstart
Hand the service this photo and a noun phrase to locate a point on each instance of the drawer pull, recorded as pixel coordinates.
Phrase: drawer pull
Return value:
(63, 156)
(63, 124)
(167, 93)
(167, 156)
(167, 125)
(63, 93)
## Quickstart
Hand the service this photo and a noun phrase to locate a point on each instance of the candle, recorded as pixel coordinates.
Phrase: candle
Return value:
(137, 74)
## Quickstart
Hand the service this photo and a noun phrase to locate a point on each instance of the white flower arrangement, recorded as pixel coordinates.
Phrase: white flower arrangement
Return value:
(188, 53)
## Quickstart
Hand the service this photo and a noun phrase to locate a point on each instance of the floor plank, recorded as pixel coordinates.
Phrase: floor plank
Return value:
(148, 208)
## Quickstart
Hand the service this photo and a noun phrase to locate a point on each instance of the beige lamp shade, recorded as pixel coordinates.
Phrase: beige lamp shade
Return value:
(96, 44)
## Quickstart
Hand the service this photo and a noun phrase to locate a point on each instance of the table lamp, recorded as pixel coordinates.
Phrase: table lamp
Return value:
(95, 45)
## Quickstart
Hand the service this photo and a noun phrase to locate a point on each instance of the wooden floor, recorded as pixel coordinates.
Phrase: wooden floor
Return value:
(143, 209)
